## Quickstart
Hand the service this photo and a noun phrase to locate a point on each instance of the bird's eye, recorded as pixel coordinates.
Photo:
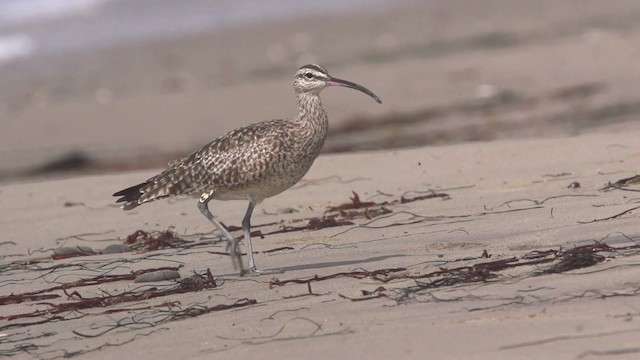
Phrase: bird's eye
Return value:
(308, 75)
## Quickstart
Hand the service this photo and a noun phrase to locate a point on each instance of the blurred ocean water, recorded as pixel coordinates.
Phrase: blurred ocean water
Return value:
(41, 27)
(13, 12)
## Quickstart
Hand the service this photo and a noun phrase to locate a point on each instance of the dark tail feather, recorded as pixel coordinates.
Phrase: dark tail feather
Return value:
(131, 195)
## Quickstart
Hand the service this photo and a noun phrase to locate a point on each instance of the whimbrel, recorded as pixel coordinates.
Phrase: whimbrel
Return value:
(249, 163)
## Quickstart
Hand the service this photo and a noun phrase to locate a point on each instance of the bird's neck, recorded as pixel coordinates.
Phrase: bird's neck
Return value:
(309, 104)
(312, 120)
(311, 111)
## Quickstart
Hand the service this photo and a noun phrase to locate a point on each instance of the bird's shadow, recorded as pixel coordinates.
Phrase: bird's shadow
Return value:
(323, 265)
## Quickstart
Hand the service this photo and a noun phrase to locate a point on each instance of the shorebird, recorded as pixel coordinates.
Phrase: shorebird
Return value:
(249, 163)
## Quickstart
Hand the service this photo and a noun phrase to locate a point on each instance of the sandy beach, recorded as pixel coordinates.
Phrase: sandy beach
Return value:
(432, 220)
(488, 209)
(448, 72)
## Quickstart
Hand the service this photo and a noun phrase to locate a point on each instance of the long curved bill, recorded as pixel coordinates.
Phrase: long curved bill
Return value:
(344, 83)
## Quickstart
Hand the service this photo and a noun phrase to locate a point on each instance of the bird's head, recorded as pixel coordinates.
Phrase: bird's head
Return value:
(313, 78)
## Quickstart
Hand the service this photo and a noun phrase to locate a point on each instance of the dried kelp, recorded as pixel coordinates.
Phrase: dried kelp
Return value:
(579, 257)
(618, 215)
(96, 280)
(359, 274)
(195, 283)
(560, 261)
(430, 195)
(143, 241)
(622, 184)
(355, 203)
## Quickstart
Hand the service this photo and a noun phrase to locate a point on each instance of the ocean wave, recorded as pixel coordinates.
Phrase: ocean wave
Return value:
(15, 12)
(15, 46)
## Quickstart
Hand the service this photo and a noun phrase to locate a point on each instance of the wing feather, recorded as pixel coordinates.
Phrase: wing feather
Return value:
(238, 159)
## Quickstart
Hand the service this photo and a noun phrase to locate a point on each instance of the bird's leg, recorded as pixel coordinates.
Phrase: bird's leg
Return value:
(232, 243)
(246, 228)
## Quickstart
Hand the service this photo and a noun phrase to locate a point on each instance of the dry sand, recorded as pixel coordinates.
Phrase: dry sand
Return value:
(508, 198)
(500, 256)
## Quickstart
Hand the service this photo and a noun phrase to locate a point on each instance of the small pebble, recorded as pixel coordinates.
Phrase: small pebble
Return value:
(161, 275)
(72, 250)
(117, 249)
(574, 185)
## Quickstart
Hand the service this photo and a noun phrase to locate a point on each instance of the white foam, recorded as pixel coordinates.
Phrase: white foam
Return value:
(15, 46)
(13, 12)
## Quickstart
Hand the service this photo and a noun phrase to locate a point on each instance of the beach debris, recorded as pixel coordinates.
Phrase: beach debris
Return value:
(620, 214)
(161, 275)
(96, 280)
(574, 185)
(623, 184)
(354, 204)
(558, 175)
(196, 282)
(379, 292)
(431, 195)
(71, 251)
(117, 249)
(562, 261)
(142, 241)
(577, 258)
(73, 203)
(358, 274)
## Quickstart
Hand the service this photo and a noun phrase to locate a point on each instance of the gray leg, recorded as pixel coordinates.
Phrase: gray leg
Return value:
(232, 243)
(246, 228)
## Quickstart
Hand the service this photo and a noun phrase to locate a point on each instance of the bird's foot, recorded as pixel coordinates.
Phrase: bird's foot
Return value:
(252, 271)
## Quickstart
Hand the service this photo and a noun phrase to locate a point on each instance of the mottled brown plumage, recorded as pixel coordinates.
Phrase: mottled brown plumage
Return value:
(250, 163)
